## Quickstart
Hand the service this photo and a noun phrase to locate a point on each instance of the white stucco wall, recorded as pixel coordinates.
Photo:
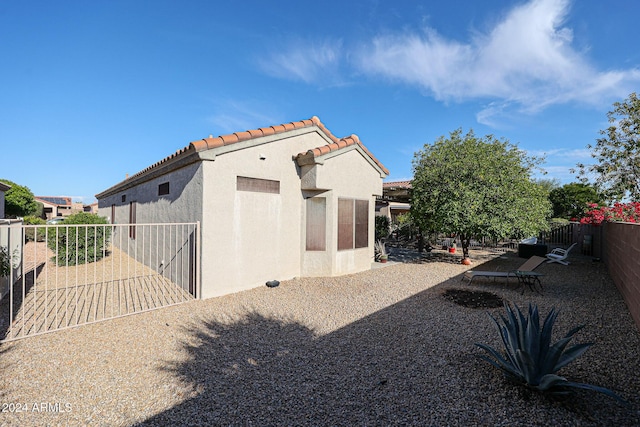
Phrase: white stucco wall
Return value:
(1, 204)
(248, 237)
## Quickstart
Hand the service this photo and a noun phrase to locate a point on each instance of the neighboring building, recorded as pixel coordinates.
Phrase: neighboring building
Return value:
(395, 200)
(3, 189)
(55, 206)
(92, 208)
(273, 203)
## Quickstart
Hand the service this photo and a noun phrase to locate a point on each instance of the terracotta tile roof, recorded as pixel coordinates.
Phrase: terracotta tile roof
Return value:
(397, 184)
(219, 141)
(223, 140)
(337, 144)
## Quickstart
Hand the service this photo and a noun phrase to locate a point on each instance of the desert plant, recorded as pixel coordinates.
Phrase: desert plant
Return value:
(380, 250)
(80, 240)
(529, 359)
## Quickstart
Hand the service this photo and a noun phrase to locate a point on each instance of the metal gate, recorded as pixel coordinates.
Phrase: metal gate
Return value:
(63, 276)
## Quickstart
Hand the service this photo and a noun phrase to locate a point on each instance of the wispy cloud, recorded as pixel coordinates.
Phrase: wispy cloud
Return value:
(306, 61)
(559, 162)
(233, 115)
(524, 63)
(562, 154)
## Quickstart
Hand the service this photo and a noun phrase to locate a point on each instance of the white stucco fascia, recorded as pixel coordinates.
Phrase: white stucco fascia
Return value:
(320, 159)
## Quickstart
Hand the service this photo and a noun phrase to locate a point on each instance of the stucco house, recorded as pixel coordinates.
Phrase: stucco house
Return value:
(395, 200)
(58, 206)
(278, 202)
(3, 189)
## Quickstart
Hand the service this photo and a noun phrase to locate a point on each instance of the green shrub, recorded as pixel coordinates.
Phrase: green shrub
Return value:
(29, 232)
(77, 244)
(529, 359)
(382, 227)
(5, 262)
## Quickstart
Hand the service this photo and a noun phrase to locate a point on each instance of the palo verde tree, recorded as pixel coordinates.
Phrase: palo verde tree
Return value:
(477, 187)
(617, 153)
(18, 200)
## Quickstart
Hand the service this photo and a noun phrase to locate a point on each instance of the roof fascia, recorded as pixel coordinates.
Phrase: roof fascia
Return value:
(211, 153)
(308, 159)
(171, 165)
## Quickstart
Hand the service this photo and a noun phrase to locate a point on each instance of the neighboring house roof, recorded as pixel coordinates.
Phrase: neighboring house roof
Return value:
(396, 184)
(55, 200)
(238, 137)
(399, 191)
(4, 187)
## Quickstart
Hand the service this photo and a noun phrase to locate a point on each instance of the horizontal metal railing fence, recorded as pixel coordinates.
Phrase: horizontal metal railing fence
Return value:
(69, 275)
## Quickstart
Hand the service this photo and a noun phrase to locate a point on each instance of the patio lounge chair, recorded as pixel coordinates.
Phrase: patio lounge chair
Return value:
(559, 255)
(529, 265)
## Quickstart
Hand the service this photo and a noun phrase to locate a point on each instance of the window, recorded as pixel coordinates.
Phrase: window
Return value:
(132, 220)
(362, 223)
(163, 189)
(257, 185)
(345, 224)
(353, 224)
(316, 224)
(124, 198)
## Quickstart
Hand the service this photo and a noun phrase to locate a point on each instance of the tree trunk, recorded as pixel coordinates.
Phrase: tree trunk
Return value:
(465, 241)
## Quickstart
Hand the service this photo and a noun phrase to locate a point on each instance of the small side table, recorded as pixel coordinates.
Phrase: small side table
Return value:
(530, 279)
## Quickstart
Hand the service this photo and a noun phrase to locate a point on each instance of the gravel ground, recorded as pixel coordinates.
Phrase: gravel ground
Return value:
(382, 347)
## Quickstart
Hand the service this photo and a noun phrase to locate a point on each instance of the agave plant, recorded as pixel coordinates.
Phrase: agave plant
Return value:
(529, 358)
(380, 249)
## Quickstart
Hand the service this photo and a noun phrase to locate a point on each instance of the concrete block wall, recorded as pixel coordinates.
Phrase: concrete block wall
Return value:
(622, 257)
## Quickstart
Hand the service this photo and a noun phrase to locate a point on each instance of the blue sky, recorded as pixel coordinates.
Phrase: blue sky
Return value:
(93, 90)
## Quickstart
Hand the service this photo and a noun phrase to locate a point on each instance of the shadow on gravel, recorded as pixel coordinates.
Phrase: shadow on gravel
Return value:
(408, 364)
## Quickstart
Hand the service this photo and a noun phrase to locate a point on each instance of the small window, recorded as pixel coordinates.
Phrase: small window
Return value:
(132, 220)
(316, 224)
(163, 189)
(361, 223)
(257, 185)
(124, 198)
(345, 224)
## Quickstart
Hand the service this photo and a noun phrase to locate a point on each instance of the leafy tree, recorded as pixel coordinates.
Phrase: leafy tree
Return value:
(571, 200)
(617, 153)
(477, 187)
(548, 184)
(18, 200)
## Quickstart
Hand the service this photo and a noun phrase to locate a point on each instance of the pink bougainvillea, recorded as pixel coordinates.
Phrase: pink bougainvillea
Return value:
(619, 212)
